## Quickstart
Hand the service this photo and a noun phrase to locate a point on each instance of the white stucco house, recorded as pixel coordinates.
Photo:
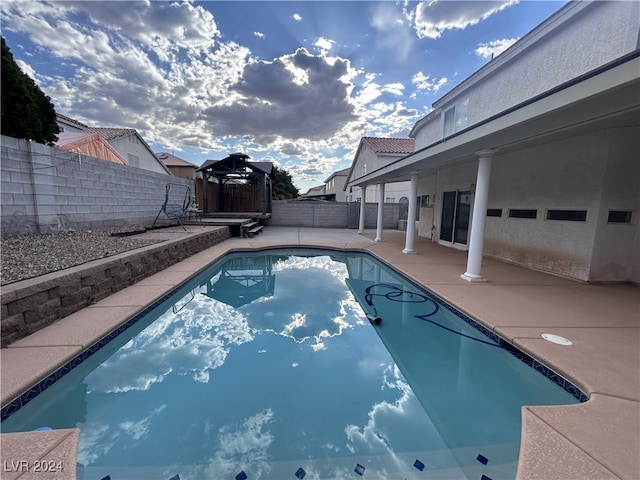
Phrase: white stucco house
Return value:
(535, 158)
(126, 141)
(372, 154)
(334, 185)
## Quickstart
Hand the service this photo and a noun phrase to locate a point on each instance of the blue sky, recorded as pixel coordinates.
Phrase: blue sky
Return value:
(296, 83)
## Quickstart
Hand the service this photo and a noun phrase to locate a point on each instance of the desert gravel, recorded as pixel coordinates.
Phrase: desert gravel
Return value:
(27, 256)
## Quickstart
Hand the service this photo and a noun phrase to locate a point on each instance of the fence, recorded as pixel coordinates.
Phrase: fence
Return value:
(295, 213)
(45, 190)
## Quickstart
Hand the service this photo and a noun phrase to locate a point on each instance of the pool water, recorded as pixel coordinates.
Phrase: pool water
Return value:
(265, 366)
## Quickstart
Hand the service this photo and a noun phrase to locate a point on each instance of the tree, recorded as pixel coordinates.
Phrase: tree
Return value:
(26, 111)
(282, 183)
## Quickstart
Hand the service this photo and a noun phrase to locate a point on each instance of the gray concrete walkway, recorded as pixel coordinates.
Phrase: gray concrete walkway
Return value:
(595, 440)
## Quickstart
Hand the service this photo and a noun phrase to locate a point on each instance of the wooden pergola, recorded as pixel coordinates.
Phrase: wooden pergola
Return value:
(236, 170)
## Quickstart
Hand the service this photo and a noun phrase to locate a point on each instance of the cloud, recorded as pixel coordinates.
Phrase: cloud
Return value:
(297, 17)
(432, 18)
(258, 34)
(324, 44)
(295, 96)
(424, 82)
(494, 48)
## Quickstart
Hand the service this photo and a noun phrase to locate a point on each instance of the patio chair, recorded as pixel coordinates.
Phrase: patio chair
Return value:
(173, 211)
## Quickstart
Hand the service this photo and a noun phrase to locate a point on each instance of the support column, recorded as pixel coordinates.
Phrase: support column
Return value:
(363, 202)
(411, 215)
(380, 220)
(476, 240)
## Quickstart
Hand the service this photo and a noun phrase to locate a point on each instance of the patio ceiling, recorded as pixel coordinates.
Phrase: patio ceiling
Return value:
(608, 97)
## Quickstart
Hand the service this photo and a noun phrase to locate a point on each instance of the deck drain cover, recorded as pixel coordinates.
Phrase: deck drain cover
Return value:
(553, 338)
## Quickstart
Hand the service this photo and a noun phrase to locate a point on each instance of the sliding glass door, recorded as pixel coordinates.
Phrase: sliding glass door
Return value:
(456, 211)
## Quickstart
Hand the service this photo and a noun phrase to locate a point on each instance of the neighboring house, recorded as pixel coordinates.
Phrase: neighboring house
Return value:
(534, 158)
(334, 185)
(178, 167)
(126, 141)
(89, 144)
(67, 125)
(314, 192)
(374, 153)
(129, 143)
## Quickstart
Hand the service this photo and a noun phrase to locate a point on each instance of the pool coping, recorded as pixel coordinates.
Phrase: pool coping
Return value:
(534, 461)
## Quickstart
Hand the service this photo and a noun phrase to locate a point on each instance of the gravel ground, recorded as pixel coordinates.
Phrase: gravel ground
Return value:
(27, 256)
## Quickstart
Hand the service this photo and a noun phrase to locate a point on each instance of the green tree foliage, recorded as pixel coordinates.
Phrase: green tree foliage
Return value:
(283, 187)
(26, 111)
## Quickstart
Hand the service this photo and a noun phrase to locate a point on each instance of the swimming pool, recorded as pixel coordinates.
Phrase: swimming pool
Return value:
(265, 366)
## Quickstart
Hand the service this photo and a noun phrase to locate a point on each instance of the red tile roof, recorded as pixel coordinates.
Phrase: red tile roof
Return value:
(390, 145)
(172, 161)
(112, 133)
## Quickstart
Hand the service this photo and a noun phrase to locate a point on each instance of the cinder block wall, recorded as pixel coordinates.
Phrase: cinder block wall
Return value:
(294, 213)
(46, 190)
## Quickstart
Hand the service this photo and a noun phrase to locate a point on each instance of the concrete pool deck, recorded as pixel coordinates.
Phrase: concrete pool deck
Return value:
(598, 439)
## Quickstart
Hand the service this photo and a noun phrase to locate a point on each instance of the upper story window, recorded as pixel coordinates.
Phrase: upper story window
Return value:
(455, 119)
(364, 169)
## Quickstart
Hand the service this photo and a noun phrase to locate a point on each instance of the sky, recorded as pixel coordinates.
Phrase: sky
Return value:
(297, 83)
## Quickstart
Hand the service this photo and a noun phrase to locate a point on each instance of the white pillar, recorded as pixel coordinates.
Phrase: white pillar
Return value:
(363, 201)
(380, 220)
(476, 242)
(411, 215)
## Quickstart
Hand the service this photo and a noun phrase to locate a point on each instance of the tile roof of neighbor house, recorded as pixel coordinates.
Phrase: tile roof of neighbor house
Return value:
(112, 133)
(344, 172)
(390, 145)
(171, 160)
(71, 120)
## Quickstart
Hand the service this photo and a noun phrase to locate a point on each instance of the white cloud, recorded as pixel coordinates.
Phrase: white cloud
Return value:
(297, 17)
(425, 82)
(432, 18)
(324, 44)
(494, 48)
(258, 34)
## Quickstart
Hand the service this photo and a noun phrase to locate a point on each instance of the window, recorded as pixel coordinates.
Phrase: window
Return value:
(403, 200)
(424, 200)
(134, 160)
(358, 199)
(390, 200)
(494, 212)
(364, 169)
(619, 216)
(567, 215)
(455, 119)
(522, 213)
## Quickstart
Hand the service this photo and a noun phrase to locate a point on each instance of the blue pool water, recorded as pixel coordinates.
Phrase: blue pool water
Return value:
(265, 366)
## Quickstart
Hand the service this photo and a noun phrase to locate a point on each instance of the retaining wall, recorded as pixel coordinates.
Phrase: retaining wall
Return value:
(30, 305)
(46, 190)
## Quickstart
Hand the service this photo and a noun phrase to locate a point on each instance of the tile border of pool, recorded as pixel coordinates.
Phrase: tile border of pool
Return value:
(29, 394)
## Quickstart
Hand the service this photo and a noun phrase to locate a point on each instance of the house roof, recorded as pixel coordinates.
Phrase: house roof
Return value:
(90, 144)
(390, 145)
(171, 160)
(383, 145)
(343, 172)
(71, 120)
(113, 133)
